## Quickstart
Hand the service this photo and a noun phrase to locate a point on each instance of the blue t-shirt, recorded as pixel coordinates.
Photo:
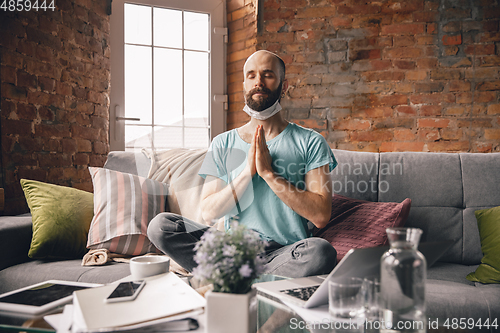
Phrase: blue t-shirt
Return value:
(295, 151)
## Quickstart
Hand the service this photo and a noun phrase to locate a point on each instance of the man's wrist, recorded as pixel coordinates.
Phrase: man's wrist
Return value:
(247, 172)
(268, 176)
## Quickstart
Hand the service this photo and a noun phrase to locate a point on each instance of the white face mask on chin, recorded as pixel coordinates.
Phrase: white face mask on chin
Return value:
(264, 114)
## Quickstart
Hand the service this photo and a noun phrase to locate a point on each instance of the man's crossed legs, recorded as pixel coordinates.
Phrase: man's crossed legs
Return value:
(176, 236)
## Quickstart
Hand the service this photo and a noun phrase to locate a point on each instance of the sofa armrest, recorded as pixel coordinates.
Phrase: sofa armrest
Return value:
(15, 239)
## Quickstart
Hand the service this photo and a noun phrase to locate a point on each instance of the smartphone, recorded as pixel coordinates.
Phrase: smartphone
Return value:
(126, 291)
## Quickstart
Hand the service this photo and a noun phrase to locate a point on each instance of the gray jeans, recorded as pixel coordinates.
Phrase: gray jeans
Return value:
(176, 236)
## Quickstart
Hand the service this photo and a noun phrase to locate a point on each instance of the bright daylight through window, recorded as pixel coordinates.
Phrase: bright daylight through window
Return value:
(167, 81)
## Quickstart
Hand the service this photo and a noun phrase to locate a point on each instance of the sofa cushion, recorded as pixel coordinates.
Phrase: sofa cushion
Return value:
(429, 179)
(438, 224)
(15, 239)
(480, 191)
(124, 204)
(480, 187)
(488, 221)
(128, 162)
(360, 224)
(448, 300)
(179, 168)
(36, 271)
(434, 183)
(471, 243)
(445, 271)
(61, 219)
(356, 175)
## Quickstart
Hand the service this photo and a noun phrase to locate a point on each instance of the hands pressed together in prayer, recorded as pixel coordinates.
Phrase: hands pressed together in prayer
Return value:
(259, 158)
(314, 203)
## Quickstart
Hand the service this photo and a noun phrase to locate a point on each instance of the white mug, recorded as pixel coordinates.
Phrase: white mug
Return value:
(142, 267)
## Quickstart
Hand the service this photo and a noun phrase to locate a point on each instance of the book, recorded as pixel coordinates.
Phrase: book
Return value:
(164, 297)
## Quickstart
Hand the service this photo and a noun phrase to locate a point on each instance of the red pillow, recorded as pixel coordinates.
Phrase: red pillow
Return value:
(356, 224)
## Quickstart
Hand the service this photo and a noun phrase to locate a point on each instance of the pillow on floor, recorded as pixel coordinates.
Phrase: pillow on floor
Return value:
(488, 222)
(61, 219)
(356, 224)
(124, 204)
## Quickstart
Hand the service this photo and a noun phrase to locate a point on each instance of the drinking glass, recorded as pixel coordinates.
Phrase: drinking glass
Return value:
(346, 299)
(371, 286)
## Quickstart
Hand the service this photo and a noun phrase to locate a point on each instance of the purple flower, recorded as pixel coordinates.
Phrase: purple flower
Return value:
(245, 271)
(201, 256)
(208, 237)
(229, 250)
(226, 257)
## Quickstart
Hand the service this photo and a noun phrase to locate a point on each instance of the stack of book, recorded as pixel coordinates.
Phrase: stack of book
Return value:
(164, 299)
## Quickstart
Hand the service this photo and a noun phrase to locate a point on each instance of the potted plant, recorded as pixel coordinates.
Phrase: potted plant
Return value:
(230, 261)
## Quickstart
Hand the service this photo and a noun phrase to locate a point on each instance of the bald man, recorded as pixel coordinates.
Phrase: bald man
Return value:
(271, 175)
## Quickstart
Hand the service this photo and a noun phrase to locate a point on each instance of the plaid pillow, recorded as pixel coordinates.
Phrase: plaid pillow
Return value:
(124, 204)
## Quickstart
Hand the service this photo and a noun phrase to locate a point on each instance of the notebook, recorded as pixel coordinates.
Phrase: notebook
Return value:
(312, 291)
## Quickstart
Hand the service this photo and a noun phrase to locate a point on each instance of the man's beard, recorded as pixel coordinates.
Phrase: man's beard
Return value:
(262, 103)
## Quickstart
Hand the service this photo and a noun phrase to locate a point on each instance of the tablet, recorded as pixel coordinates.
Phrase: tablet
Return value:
(41, 297)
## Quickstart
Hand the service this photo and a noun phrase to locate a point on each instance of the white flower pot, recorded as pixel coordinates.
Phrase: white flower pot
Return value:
(230, 313)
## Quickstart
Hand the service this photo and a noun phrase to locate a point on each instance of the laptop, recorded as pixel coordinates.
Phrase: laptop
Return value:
(312, 291)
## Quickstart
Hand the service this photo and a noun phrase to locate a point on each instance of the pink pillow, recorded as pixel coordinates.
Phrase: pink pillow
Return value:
(124, 204)
(356, 224)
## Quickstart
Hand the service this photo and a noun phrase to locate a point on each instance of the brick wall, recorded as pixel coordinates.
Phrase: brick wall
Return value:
(55, 75)
(242, 42)
(379, 76)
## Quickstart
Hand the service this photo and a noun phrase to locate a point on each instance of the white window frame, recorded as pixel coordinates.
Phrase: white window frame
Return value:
(218, 39)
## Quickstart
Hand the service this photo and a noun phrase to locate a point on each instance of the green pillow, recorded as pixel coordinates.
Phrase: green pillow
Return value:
(488, 221)
(61, 219)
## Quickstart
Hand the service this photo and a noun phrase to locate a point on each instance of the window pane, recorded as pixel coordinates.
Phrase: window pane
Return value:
(137, 24)
(137, 136)
(196, 31)
(167, 27)
(196, 86)
(196, 122)
(168, 86)
(138, 83)
(168, 137)
(196, 137)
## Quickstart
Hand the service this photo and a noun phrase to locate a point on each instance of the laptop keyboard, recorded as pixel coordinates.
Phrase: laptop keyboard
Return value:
(302, 293)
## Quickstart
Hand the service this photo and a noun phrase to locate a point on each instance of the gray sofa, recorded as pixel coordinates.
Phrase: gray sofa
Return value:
(445, 188)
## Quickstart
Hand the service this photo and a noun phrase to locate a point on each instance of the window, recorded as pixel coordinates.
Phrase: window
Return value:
(167, 74)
